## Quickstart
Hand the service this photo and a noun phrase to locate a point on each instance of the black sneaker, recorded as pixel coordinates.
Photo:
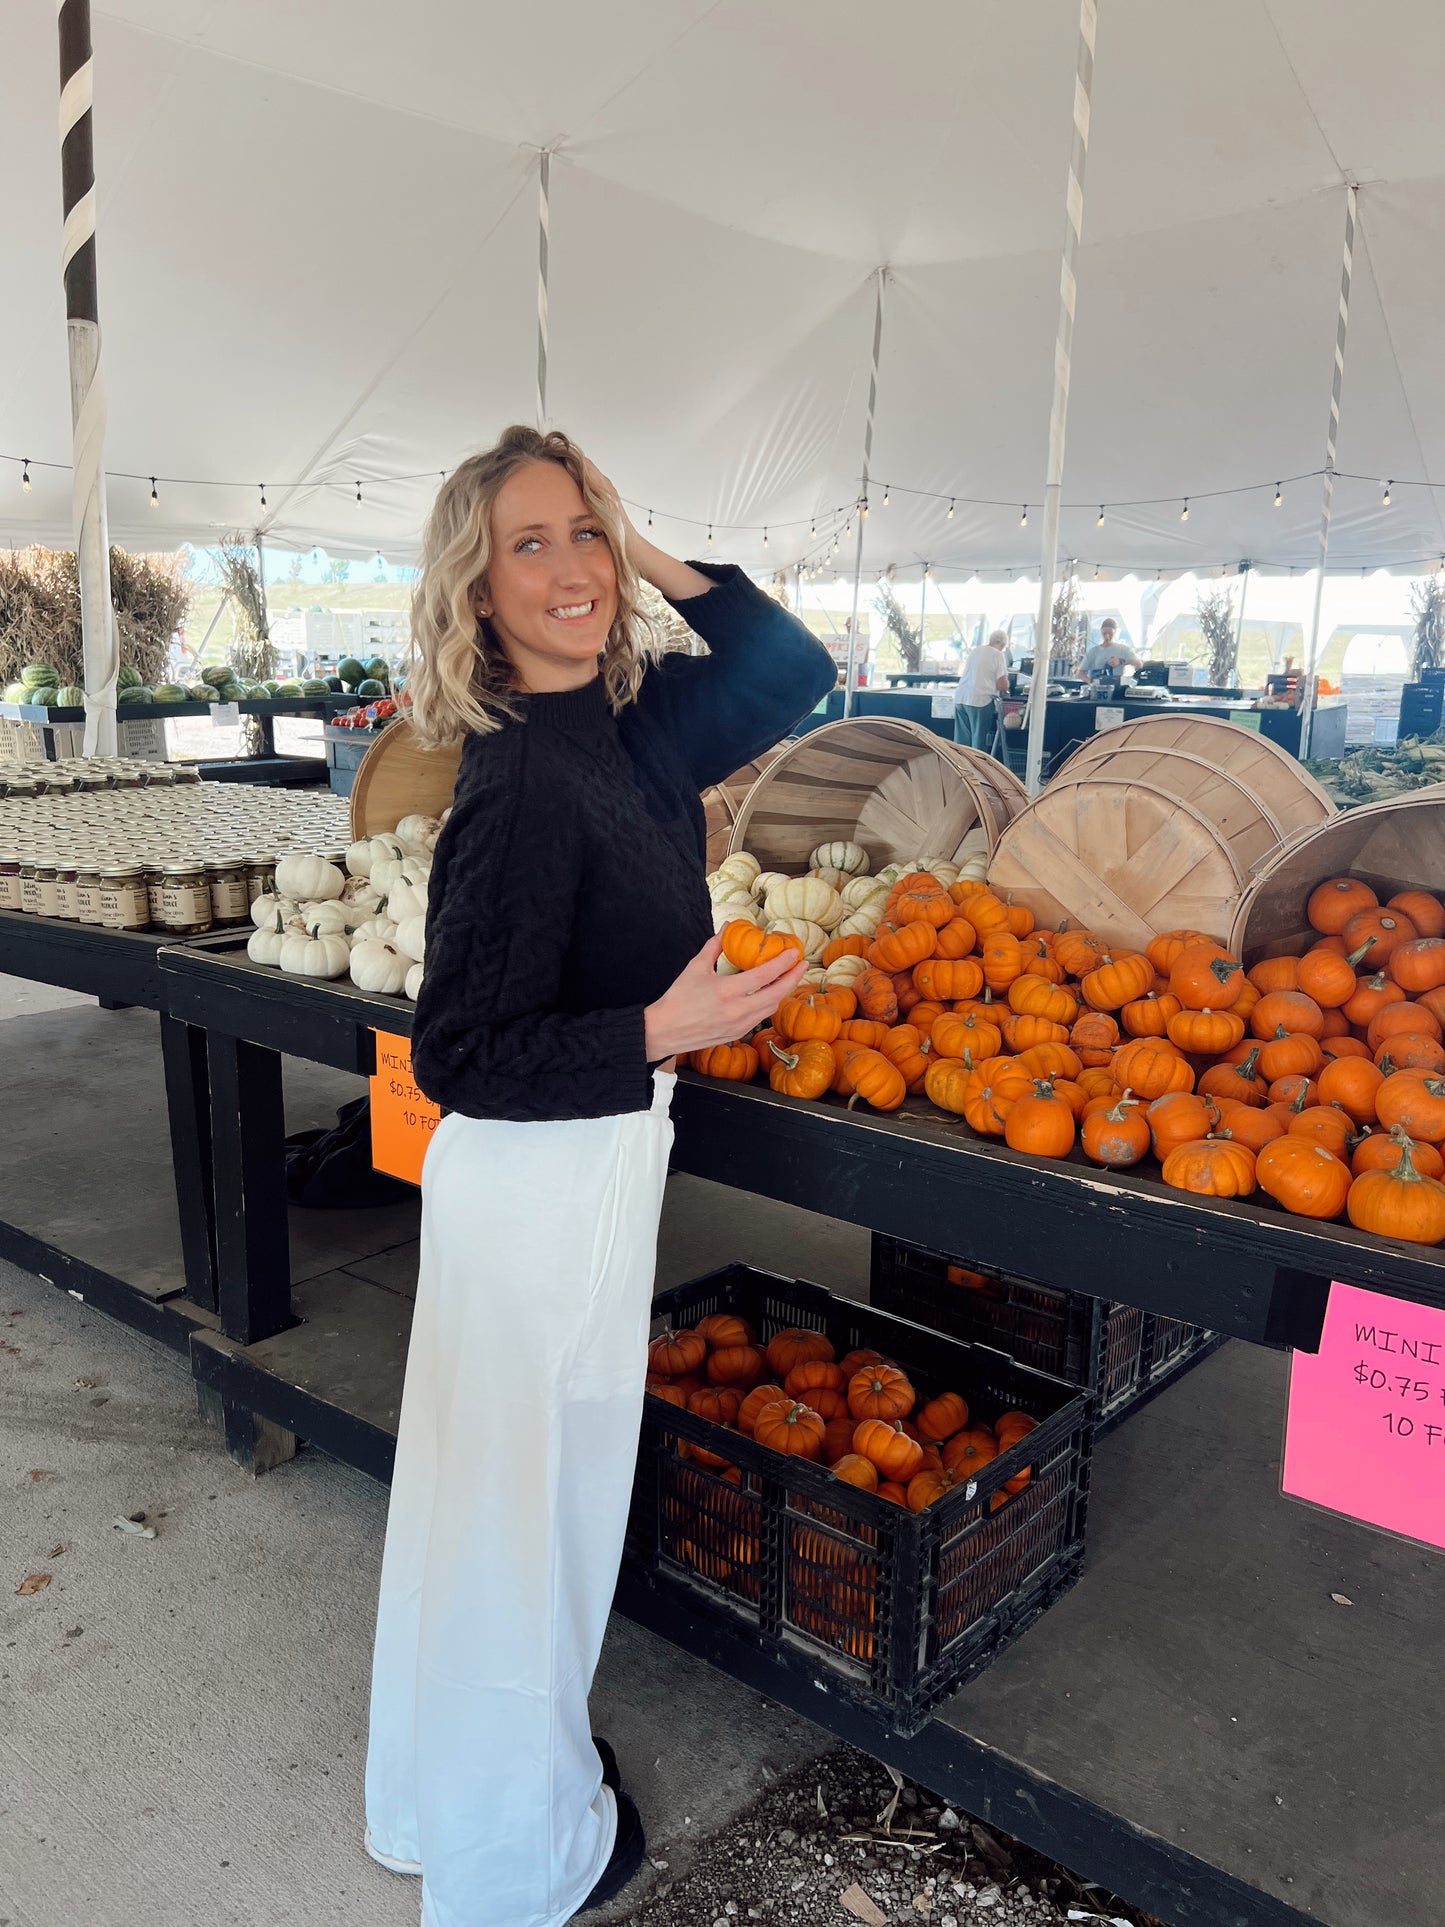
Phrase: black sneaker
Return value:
(627, 1852)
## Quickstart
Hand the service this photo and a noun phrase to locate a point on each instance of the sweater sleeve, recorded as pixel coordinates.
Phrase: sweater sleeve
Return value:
(488, 1038)
(764, 672)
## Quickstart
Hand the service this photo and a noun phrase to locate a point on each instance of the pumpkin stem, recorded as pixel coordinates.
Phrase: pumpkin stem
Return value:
(1120, 1109)
(1387, 1065)
(1353, 960)
(787, 1057)
(1248, 1068)
(1405, 1170)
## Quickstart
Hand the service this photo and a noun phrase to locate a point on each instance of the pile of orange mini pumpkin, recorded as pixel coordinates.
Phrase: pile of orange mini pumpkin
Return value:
(859, 1416)
(1318, 1079)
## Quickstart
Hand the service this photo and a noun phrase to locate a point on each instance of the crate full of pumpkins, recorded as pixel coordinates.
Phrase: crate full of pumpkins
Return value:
(1317, 1080)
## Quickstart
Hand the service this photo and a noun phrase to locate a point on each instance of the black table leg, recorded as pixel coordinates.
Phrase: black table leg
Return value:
(188, 1100)
(248, 1141)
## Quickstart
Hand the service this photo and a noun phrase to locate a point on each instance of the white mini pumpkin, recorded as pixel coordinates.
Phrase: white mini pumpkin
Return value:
(378, 968)
(835, 879)
(324, 956)
(861, 890)
(845, 970)
(386, 847)
(811, 936)
(359, 858)
(812, 978)
(264, 944)
(804, 897)
(389, 870)
(265, 910)
(767, 880)
(724, 913)
(324, 919)
(740, 865)
(851, 858)
(410, 937)
(727, 889)
(405, 899)
(861, 923)
(421, 832)
(412, 986)
(310, 879)
(374, 930)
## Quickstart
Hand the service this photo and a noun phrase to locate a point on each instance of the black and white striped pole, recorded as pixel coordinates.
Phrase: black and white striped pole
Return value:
(1059, 414)
(862, 508)
(101, 642)
(1327, 503)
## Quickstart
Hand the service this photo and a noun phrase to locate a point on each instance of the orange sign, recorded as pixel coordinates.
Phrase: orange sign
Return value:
(402, 1120)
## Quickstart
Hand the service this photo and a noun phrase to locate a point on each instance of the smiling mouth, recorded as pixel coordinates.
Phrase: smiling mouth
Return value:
(573, 611)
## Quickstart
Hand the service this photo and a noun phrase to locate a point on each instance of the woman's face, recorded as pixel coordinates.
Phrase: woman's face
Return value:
(551, 586)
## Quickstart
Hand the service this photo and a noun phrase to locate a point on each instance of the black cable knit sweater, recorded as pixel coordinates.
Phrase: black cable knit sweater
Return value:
(567, 888)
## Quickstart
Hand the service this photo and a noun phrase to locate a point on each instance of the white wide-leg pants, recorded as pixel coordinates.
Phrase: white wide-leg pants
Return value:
(515, 1453)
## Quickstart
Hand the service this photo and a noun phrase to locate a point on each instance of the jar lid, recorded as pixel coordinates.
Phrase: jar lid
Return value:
(121, 870)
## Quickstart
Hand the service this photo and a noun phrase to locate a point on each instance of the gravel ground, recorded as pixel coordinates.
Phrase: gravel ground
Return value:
(843, 1838)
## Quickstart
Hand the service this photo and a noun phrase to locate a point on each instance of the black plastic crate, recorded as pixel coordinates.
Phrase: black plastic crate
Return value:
(898, 1609)
(1091, 1342)
(1170, 1344)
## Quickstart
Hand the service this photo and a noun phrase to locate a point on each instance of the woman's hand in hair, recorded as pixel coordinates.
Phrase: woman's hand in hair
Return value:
(674, 579)
(701, 1008)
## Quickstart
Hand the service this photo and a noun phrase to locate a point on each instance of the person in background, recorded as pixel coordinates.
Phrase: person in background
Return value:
(985, 677)
(1107, 654)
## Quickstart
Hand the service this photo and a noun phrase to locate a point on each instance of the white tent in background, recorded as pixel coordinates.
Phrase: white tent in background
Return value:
(318, 268)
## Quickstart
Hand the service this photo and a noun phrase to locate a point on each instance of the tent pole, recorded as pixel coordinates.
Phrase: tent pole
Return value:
(922, 608)
(544, 231)
(100, 638)
(1239, 619)
(1342, 325)
(261, 578)
(1058, 419)
(863, 496)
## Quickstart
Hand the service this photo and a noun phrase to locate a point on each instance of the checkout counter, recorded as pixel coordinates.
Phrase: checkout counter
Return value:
(1079, 712)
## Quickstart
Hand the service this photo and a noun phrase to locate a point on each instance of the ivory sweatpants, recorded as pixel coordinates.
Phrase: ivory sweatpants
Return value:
(514, 1460)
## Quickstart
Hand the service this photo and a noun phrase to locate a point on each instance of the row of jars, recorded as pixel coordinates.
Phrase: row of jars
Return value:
(26, 781)
(183, 896)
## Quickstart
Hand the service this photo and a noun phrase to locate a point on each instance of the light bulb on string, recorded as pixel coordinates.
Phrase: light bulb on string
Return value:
(813, 526)
(765, 538)
(950, 510)
(1184, 512)
(1278, 495)
(25, 475)
(358, 493)
(263, 495)
(1385, 498)
(1096, 571)
(649, 518)
(155, 499)
(885, 494)
(1024, 517)
(1100, 523)
(863, 506)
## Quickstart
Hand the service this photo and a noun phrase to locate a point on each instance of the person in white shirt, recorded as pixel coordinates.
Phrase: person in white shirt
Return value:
(985, 676)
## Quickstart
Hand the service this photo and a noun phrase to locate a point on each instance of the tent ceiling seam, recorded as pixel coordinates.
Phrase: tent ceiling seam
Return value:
(1399, 372)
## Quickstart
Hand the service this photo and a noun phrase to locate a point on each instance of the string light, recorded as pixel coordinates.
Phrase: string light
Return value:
(765, 538)
(863, 506)
(950, 509)
(813, 526)
(649, 518)
(25, 475)
(263, 495)
(1184, 512)
(1024, 517)
(1385, 498)
(1100, 522)
(358, 492)
(1278, 495)
(709, 534)
(1096, 571)
(885, 495)
(155, 499)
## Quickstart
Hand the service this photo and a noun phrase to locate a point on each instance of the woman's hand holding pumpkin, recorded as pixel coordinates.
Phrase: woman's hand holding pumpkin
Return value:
(701, 1009)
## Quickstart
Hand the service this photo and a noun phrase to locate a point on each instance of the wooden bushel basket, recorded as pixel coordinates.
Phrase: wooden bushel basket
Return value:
(889, 785)
(1291, 795)
(1123, 859)
(1242, 817)
(722, 802)
(397, 778)
(1395, 845)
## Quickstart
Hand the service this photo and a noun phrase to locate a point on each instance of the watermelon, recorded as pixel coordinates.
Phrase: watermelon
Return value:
(270, 688)
(127, 678)
(15, 692)
(379, 669)
(351, 672)
(314, 686)
(335, 685)
(197, 692)
(218, 675)
(171, 692)
(289, 690)
(39, 675)
(45, 698)
(371, 687)
(232, 692)
(71, 696)
(134, 693)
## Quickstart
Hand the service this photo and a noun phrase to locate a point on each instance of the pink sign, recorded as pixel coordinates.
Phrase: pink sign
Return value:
(1365, 1434)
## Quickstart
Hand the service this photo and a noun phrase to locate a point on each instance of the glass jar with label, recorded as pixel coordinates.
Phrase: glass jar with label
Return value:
(87, 893)
(29, 888)
(180, 897)
(230, 890)
(47, 889)
(65, 905)
(124, 903)
(10, 898)
(260, 877)
(184, 774)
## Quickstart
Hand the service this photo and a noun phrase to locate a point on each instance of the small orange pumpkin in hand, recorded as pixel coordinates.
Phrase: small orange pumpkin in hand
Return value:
(744, 945)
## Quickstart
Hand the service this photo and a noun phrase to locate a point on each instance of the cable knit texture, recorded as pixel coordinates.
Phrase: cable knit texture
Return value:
(567, 888)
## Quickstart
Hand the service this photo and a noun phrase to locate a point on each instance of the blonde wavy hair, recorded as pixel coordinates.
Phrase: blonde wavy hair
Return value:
(459, 677)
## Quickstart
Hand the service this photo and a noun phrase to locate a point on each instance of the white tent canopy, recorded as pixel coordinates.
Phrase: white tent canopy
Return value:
(318, 267)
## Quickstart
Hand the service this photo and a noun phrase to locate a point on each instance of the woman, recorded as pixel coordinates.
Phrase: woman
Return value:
(570, 957)
(985, 677)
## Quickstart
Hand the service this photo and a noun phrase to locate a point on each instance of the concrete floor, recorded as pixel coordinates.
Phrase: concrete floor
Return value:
(183, 1720)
